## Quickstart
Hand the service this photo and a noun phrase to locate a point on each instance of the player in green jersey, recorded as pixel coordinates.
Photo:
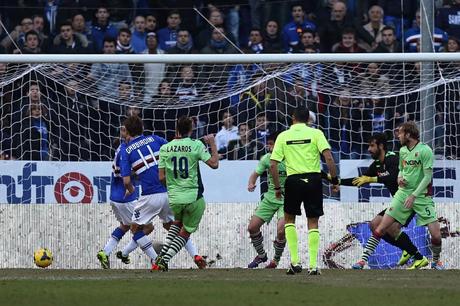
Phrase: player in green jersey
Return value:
(414, 194)
(267, 208)
(179, 170)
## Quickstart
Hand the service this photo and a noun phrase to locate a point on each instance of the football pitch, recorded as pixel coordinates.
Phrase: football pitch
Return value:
(234, 287)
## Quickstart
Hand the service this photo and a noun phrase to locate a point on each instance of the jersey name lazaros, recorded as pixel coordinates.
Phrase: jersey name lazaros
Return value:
(140, 155)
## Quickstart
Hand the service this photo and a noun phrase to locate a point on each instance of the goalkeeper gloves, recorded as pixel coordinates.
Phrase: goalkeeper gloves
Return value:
(361, 180)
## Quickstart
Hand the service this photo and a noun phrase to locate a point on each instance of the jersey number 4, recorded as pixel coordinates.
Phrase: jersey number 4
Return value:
(180, 167)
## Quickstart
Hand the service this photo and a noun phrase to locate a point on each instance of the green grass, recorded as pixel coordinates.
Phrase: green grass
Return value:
(234, 287)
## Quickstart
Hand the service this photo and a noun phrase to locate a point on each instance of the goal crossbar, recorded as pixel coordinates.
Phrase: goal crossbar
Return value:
(228, 58)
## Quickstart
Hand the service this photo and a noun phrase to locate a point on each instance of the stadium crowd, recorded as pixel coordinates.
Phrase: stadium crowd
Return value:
(46, 120)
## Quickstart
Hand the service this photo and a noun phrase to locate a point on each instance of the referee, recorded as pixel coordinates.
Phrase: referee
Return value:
(300, 148)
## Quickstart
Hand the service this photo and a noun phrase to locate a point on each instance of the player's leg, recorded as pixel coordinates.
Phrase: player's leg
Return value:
(292, 202)
(398, 238)
(280, 241)
(397, 212)
(123, 255)
(313, 204)
(190, 245)
(123, 213)
(191, 218)
(147, 208)
(426, 215)
(257, 241)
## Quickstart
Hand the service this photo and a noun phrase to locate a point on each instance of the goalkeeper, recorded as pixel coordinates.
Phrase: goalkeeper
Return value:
(384, 170)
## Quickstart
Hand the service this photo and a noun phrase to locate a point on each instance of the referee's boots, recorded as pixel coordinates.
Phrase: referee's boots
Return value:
(294, 269)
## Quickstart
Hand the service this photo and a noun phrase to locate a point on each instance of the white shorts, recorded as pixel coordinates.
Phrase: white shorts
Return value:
(123, 211)
(152, 205)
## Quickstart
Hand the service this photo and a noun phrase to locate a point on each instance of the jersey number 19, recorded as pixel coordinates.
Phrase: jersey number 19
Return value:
(180, 167)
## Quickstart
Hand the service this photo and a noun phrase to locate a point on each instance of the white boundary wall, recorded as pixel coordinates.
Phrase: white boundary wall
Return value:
(76, 232)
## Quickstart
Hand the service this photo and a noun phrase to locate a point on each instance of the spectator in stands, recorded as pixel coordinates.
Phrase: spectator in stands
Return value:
(187, 90)
(263, 128)
(272, 37)
(256, 99)
(51, 11)
(184, 44)
(330, 32)
(79, 26)
(412, 35)
(124, 45)
(348, 43)
(292, 30)
(168, 36)
(374, 81)
(345, 118)
(153, 72)
(164, 90)
(389, 43)
(18, 35)
(453, 45)
(448, 19)
(35, 138)
(139, 35)
(101, 29)
(307, 38)
(32, 44)
(398, 13)
(227, 133)
(244, 148)
(71, 113)
(240, 76)
(216, 20)
(67, 42)
(150, 23)
(256, 42)
(105, 76)
(218, 45)
(39, 27)
(371, 33)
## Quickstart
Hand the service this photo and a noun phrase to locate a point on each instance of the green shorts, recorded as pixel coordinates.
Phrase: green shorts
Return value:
(267, 209)
(423, 207)
(189, 214)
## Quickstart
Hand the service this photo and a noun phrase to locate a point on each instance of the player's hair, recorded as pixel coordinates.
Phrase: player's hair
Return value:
(295, 4)
(301, 114)
(134, 125)
(380, 139)
(411, 128)
(184, 125)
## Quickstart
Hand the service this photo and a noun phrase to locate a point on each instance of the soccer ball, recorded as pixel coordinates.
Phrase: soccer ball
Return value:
(43, 258)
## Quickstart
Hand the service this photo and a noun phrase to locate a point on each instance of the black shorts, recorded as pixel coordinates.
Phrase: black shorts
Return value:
(405, 224)
(307, 189)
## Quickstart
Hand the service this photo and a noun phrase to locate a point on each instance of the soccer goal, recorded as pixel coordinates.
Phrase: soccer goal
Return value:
(58, 110)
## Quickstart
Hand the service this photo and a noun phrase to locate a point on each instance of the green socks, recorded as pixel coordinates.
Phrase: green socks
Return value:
(313, 246)
(291, 237)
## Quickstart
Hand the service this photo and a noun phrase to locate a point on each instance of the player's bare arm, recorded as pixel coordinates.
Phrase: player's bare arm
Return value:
(213, 162)
(332, 169)
(252, 181)
(128, 185)
(276, 178)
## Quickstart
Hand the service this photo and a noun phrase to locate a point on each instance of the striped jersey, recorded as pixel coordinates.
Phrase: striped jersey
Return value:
(140, 155)
(117, 189)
